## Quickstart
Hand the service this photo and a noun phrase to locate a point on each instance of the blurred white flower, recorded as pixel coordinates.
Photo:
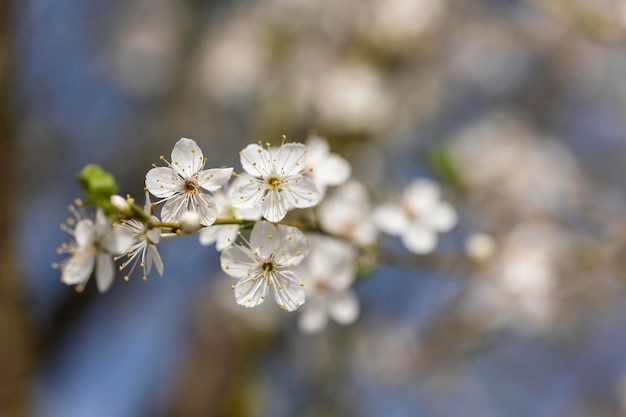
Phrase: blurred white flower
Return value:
(325, 168)
(180, 184)
(353, 99)
(328, 272)
(347, 213)
(95, 243)
(277, 182)
(225, 234)
(417, 217)
(232, 60)
(266, 263)
(524, 172)
(518, 287)
(399, 21)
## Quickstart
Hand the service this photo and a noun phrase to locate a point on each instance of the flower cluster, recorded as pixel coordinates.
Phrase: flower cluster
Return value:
(314, 253)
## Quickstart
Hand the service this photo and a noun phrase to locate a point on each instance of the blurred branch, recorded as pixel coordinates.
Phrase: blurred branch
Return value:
(15, 344)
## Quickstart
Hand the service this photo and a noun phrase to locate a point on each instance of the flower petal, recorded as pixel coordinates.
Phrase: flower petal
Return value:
(213, 179)
(334, 170)
(173, 208)
(79, 267)
(84, 233)
(444, 217)
(289, 159)
(314, 316)
(163, 182)
(187, 158)
(249, 195)
(152, 255)
(343, 307)
(264, 238)
(251, 293)
(419, 240)
(391, 219)
(105, 272)
(421, 196)
(294, 244)
(273, 206)
(256, 161)
(237, 261)
(206, 208)
(288, 291)
(302, 192)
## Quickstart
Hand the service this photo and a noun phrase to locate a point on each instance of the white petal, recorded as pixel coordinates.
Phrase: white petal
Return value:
(421, 196)
(84, 233)
(343, 307)
(264, 238)
(301, 192)
(331, 261)
(213, 179)
(237, 261)
(250, 293)
(187, 158)
(79, 267)
(419, 240)
(364, 233)
(249, 195)
(288, 291)
(289, 159)
(105, 272)
(294, 244)
(391, 219)
(274, 206)
(334, 170)
(313, 318)
(147, 207)
(206, 208)
(227, 236)
(163, 182)
(444, 217)
(173, 208)
(256, 161)
(209, 235)
(154, 234)
(153, 256)
(118, 240)
(318, 149)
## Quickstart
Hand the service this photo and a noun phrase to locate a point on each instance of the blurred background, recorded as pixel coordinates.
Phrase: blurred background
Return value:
(516, 106)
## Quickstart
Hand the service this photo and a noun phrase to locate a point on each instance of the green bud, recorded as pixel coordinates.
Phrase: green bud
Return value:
(98, 186)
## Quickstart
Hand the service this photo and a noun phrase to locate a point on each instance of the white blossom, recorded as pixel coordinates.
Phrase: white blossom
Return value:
(417, 217)
(143, 249)
(325, 168)
(328, 272)
(180, 185)
(95, 243)
(347, 213)
(277, 182)
(266, 264)
(224, 235)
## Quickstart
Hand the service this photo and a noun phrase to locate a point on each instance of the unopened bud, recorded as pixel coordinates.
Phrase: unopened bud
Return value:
(480, 247)
(190, 222)
(120, 204)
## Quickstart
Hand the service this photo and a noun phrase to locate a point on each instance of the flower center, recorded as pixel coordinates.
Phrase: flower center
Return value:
(267, 267)
(191, 186)
(274, 182)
